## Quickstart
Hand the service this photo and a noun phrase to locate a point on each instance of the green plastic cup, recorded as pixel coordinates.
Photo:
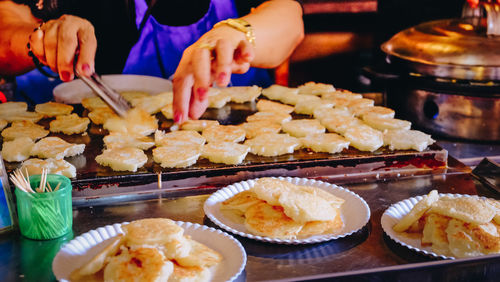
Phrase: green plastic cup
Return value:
(47, 215)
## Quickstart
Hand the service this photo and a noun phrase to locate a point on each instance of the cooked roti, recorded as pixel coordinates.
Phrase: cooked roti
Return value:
(122, 159)
(329, 143)
(224, 133)
(364, 138)
(69, 124)
(302, 127)
(53, 166)
(273, 144)
(177, 155)
(24, 128)
(57, 148)
(225, 152)
(52, 109)
(242, 94)
(270, 106)
(17, 150)
(407, 139)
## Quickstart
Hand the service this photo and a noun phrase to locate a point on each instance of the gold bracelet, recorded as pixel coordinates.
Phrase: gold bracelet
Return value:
(240, 25)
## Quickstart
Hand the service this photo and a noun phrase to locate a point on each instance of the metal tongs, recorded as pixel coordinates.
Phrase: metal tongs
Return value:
(114, 99)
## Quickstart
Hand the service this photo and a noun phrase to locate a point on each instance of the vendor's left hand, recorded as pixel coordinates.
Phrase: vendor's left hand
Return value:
(213, 58)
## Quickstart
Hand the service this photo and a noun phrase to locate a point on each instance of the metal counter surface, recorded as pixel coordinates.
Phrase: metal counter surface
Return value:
(366, 255)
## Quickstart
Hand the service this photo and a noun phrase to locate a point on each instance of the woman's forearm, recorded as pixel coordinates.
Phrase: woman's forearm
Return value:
(16, 24)
(278, 29)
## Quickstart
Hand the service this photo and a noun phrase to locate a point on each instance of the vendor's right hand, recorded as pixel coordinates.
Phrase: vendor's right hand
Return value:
(57, 43)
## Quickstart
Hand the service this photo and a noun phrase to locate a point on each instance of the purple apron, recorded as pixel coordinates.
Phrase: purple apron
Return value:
(160, 47)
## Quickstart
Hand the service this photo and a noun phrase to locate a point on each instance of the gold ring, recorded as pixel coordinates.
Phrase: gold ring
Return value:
(205, 45)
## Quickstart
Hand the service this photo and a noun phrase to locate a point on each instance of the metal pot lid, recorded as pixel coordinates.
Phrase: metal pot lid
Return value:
(452, 48)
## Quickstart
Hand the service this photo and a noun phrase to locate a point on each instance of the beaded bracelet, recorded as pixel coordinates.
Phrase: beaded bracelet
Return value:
(39, 66)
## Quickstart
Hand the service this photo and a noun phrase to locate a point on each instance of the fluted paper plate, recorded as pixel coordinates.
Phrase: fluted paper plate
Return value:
(355, 211)
(397, 211)
(84, 247)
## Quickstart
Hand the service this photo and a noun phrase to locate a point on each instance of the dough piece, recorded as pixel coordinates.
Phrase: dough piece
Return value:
(271, 221)
(216, 98)
(152, 231)
(270, 106)
(269, 116)
(200, 255)
(22, 116)
(53, 166)
(276, 92)
(101, 115)
(378, 111)
(329, 143)
(417, 211)
(198, 124)
(57, 148)
(407, 139)
(178, 138)
(225, 152)
(168, 111)
(24, 129)
(120, 140)
(3, 124)
(364, 138)
(136, 121)
(302, 127)
(323, 113)
(177, 155)
(313, 88)
(308, 107)
(93, 103)
(295, 99)
(386, 123)
(122, 159)
(11, 108)
(272, 144)
(141, 264)
(69, 124)
(242, 94)
(256, 128)
(224, 133)
(17, 150)
(52, 109)
(340, 124)
(467, 209)
(154, 103)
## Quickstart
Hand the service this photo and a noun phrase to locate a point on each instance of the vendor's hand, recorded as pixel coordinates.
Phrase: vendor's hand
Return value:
(213, 58)
(57, 42)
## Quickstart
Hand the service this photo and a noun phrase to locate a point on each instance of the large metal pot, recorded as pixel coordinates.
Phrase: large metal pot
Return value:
(446, 77)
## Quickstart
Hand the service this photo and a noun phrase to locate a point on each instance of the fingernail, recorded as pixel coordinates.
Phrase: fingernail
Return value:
(86, 69)
(222, 77)
(202, 93)
(177, 117)
(65, 76)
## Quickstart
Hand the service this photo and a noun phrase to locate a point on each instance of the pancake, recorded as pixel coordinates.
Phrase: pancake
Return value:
(217, 99)
(377, 111)
(296, 99)
(93, 103)
(3, 124)
(11, 108)
(136, 121)
(225, 152)
(152, 231)
(276, 117)
(178, 138)
(101, 115)
(168, 111)
(53, 166)
(256, 128)
(265, 220)
(130, 96)
(270, 106)
(241, 202)
(340, 123)
(304, 207)
(189, 274)
(120, 140)
(407, 139)
(22, 116)
(467, 209)
(357, 104)
(385, 123)
(276, 92)
(154, 103)
(468, 240)
(69, 124)
(312, 228)
(242, 94)
(198, 124)
(302, 127)
(325, 113)
(270, 189)
(273, 144)
(434, 233)
(329, 143)
(224, 133)
(122, 159)
(57, 148)
(346, 95)
(52, 109)
(177, 155)
(17, 150)
(417, 211)
(364, 138)
(199, 256)
(314, 88)
(308, 107)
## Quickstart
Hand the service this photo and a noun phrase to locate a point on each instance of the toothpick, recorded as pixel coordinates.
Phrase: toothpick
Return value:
(49, 188)
(57, 187)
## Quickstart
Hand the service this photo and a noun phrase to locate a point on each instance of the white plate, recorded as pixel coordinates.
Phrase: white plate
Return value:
(355, 211)
(74, 91)
(397, 211)
(84, 247)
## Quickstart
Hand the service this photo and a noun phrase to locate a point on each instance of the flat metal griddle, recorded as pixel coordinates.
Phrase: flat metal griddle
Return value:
(302, 162)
